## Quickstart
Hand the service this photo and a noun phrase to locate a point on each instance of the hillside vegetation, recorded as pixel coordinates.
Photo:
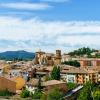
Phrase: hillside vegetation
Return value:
(85, 51)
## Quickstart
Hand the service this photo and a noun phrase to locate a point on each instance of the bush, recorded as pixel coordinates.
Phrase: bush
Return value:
(37, 95)
(5, 93)
(44, 97)
(25, 93)
(96, 92)
(96, 95)
(54, 94)
(85, 93)
(71, 85)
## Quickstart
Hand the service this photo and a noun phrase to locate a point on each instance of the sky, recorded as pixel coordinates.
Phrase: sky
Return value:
(49, 25)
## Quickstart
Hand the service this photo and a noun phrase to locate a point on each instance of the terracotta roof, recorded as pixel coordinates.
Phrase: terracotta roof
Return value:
(73, 70)
(7, 78)
(79, 70)
(52, 82)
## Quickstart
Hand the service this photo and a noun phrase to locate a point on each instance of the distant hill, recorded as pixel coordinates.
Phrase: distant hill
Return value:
(17, 55)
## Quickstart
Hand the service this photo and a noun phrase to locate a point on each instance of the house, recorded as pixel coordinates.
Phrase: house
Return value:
(48, 85)
(8, 84)
(89, 62)
(78, 75)
(11, 84)
(42, 71)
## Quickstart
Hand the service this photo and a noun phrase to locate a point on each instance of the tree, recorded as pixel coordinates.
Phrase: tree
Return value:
(82, 51)
(54, 94)
(55, 74)
(96, 92)
(96, 95)
(83, 95)
(86, 92)
(72, 63)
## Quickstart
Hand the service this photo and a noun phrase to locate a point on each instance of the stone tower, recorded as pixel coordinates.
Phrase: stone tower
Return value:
(39, 57)
(58, 57)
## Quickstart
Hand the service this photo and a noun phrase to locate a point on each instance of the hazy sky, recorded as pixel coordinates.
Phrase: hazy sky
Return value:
(49, 24)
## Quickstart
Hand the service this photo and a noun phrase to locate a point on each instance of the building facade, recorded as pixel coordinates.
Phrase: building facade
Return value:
(43, 58)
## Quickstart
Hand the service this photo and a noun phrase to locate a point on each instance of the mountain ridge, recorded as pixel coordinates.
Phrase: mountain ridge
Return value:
(17, 55)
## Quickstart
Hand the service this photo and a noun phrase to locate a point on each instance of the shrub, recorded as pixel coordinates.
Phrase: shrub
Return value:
(5, 93)
(96, 95)
(37, 95)
(25, 93)
(71, 85)
(43, 97)
(54, 94)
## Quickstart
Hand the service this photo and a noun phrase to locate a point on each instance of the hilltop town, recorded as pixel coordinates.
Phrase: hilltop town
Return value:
(38, 77)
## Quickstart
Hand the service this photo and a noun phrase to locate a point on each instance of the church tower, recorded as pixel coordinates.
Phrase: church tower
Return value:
(58, 57)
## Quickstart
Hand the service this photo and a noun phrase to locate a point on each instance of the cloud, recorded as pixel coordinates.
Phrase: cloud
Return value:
(35, 33)
(26, 6)
(57, 1)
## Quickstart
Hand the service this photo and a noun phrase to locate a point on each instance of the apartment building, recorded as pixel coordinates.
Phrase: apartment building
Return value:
(90, 62)
(78, 75)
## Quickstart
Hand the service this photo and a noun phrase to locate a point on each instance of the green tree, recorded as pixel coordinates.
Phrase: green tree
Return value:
(96, 92)
(82, 51)
(86, 92)
(72, 63)
(54, 94)
(96, 95)
(55, 74)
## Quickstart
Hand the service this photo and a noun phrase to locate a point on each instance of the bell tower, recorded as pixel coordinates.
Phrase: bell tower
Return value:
(58, 57)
